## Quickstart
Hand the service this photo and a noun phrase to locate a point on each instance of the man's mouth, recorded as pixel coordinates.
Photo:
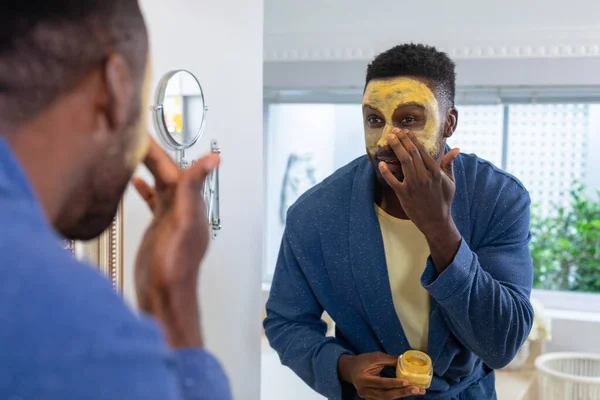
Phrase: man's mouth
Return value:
(389, 160)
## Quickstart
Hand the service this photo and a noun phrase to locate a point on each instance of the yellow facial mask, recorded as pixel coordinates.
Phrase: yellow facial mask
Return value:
(140, 141)
(389, 94)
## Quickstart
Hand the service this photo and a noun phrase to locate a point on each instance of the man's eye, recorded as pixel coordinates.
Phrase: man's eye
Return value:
(374, 120)
(408, 120)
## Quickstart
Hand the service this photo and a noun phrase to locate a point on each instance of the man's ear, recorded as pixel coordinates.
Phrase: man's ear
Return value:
(451, 122)
(120, 90)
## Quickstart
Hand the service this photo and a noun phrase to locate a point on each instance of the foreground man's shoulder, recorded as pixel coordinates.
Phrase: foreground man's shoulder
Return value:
(50, 298)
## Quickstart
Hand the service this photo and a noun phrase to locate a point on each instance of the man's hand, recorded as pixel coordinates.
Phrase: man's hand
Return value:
(169, 257)
(426, 194)
(362, 372)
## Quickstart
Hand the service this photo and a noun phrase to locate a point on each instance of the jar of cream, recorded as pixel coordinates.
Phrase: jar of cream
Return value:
(415, 366)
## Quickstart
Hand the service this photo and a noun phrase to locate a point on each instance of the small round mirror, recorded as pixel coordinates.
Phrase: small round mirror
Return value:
(179, 110)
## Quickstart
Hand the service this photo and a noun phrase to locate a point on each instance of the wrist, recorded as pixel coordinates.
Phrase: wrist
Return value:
(442, 232)
(345, 367)
(178, 312)
(444, 243)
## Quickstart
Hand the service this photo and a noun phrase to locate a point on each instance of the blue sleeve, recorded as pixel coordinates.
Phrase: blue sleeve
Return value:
(201, 376)
(141, 366)
(484, 295)
(138, 374)
(134, 363)
(295, 329)
(76, 339)
(132, 360)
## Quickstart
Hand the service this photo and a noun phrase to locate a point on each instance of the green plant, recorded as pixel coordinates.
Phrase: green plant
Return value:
(565, 246)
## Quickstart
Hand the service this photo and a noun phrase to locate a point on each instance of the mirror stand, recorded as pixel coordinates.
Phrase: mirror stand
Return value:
(210, 189)
(181, 161)
(211, 195)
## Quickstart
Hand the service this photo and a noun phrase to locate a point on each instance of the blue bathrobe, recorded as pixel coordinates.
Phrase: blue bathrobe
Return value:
(332, 259)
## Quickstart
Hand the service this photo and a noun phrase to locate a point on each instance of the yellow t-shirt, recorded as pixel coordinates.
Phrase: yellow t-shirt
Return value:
(406, 252)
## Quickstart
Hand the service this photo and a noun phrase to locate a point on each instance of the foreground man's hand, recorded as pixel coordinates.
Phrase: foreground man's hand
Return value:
(168, 261)
(362, 372)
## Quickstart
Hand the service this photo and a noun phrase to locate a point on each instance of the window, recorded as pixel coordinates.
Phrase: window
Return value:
(547, 150)
(480, 131)
(547, 144)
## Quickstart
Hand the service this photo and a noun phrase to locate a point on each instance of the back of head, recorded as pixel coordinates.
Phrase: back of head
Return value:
(420, 61)
(71, 74)
(47, 46)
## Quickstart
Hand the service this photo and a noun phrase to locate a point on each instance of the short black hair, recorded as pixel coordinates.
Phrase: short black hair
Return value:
(416, 60)
(48, 46)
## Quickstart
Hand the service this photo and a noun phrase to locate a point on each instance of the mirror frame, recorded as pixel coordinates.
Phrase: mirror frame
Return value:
(104, 252)
(159, 115)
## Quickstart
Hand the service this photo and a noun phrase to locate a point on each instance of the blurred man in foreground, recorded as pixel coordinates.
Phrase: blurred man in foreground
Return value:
(72, 87)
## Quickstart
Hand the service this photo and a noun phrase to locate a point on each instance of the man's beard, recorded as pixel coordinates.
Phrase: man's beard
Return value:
(92, 221)
(91, 225)
(93, 206)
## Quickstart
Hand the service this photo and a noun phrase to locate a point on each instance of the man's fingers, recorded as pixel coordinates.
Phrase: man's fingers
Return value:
(389, 177)
(146, 192)
(386, 360)
(160, 164)
(408, 167)
(410, 145)
(379, 394)
(200, 169)
(447, 163)
(404, 392)
(377, 382)
(428, 160)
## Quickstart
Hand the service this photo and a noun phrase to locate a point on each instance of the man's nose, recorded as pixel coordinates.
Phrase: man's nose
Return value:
(383, 141)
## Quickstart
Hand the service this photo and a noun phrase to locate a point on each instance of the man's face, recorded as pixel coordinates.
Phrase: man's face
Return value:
(403, 103)
(95, 205)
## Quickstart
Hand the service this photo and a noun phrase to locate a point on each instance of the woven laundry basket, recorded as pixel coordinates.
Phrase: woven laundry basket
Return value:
(568, 376)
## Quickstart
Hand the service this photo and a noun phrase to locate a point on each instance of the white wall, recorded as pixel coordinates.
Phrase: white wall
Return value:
(329, 44)
(350, 16)
(220, 41)
(513, 72)
(353, 29)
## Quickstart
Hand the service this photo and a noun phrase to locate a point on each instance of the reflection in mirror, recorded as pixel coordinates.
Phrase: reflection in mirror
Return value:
(179, 112)
(516, 275)
(183, 108)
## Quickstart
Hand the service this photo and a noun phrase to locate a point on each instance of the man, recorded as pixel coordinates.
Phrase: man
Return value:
(71, 135)
(413, 246)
